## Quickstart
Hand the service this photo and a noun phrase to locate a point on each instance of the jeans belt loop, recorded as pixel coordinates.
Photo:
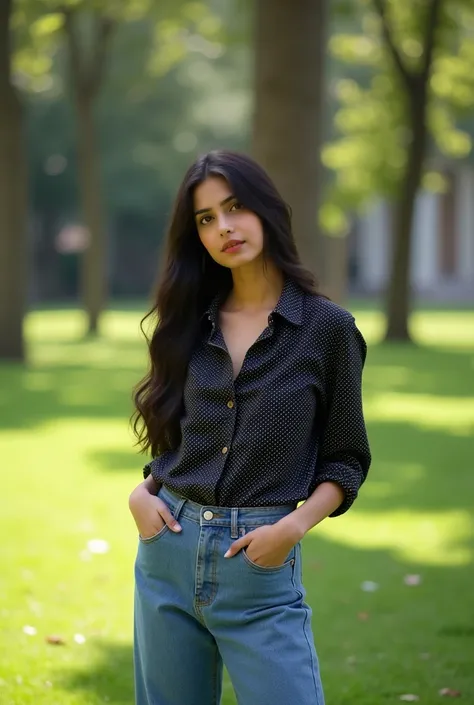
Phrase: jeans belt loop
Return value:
(234, 513)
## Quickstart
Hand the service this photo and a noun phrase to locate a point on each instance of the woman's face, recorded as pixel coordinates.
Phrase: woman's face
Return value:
(221, 221)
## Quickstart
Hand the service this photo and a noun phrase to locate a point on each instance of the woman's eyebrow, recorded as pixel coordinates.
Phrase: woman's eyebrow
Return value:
(222, 203)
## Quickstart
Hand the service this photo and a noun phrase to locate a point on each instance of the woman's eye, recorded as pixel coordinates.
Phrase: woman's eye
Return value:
(205, 220)
(236, 205)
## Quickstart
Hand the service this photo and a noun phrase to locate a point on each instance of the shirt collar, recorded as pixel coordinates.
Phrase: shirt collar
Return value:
(213, 308)
(289, 306)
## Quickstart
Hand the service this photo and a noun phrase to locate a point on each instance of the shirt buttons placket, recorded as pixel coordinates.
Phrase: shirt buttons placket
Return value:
(224, 450)
(230, 404)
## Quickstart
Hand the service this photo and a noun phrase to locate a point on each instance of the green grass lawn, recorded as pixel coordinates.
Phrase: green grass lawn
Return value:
(68, 465)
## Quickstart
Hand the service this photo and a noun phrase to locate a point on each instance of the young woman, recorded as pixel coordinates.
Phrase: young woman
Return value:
(252, 412)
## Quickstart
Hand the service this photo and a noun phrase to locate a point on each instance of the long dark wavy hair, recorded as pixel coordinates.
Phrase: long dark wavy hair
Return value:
(188, 282)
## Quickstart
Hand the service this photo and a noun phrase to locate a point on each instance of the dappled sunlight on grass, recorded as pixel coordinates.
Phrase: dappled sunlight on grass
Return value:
(101, 354)
(419, 537)
(443, 329)
(57, 338)
(454, 415)
(70, 324)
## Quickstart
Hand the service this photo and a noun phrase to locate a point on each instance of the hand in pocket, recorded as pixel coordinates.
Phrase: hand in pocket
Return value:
(150, 513)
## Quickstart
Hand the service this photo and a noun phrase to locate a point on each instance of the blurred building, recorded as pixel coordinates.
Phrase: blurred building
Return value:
(443, 242)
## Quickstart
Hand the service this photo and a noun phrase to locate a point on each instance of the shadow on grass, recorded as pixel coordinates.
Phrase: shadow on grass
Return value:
(37, 396)
(418, 468)
(117, 461)
(419, 370)
(110, 678)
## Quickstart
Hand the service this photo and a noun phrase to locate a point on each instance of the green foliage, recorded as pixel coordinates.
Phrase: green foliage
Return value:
(368, 153)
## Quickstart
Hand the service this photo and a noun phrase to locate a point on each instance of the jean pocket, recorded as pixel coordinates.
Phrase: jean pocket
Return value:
(155, 537)
(290, 561)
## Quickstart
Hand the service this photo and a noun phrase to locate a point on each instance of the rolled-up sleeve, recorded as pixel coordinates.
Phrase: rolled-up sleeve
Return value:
(344, 454)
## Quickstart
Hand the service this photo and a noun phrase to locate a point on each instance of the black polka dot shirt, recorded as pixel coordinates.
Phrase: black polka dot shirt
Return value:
(291, 420)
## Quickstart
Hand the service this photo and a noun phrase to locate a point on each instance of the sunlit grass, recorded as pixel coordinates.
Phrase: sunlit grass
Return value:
(442, 538)
(68, 464)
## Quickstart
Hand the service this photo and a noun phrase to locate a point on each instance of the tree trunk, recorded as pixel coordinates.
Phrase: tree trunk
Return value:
(87, 65)
(13, 203)
(94, 268)
(399, 288)
(335, 255)
(287, 131)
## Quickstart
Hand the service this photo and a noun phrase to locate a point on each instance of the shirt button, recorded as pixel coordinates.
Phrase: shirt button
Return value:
(230, 404)
(224, 450)
(208, 515)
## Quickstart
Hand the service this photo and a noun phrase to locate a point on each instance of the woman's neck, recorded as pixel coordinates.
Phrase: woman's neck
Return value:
(254, 291)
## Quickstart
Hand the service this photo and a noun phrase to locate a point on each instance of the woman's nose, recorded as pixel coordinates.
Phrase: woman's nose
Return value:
(223, 224)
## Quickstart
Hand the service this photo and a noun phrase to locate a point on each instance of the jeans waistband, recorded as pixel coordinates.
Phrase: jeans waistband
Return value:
(222, 516)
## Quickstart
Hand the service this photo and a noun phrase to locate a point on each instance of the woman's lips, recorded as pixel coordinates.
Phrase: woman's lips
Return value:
(234, 246)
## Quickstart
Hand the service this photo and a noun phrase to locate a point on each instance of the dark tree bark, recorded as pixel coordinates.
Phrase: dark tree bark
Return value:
(290, 43)
(86, 74)
(415, 85)
(13, 203)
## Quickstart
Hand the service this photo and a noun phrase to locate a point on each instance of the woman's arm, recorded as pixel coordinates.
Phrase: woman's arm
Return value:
(324, 501)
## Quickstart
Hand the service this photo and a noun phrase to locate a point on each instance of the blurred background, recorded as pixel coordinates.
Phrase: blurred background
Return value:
(362, 111)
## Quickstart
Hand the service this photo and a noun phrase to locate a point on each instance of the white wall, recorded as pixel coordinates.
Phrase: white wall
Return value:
(374, 245)
(465, 234)
(425, 242)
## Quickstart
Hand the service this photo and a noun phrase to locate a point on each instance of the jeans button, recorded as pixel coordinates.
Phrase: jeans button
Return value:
(208, 515)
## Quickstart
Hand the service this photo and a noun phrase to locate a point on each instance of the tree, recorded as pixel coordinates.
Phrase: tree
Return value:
(289, 46)
(409, 77)
(414, 83)
(13, 200)
(86, 72)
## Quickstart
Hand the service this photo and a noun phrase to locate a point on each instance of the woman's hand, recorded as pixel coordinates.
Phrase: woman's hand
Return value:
(269, 545)
(149, 511)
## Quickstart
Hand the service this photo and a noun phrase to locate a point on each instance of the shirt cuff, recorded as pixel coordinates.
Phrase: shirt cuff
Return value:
(347, 477)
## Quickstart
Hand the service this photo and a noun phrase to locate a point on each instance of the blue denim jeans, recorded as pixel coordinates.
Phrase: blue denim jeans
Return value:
(195, 610)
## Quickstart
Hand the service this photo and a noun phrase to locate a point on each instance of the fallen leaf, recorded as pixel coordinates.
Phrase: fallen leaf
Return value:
(450, 693)
(409, 697)
(412, 579)
(369, 586)
(363, 616)
(55, 639)
(28, 629)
